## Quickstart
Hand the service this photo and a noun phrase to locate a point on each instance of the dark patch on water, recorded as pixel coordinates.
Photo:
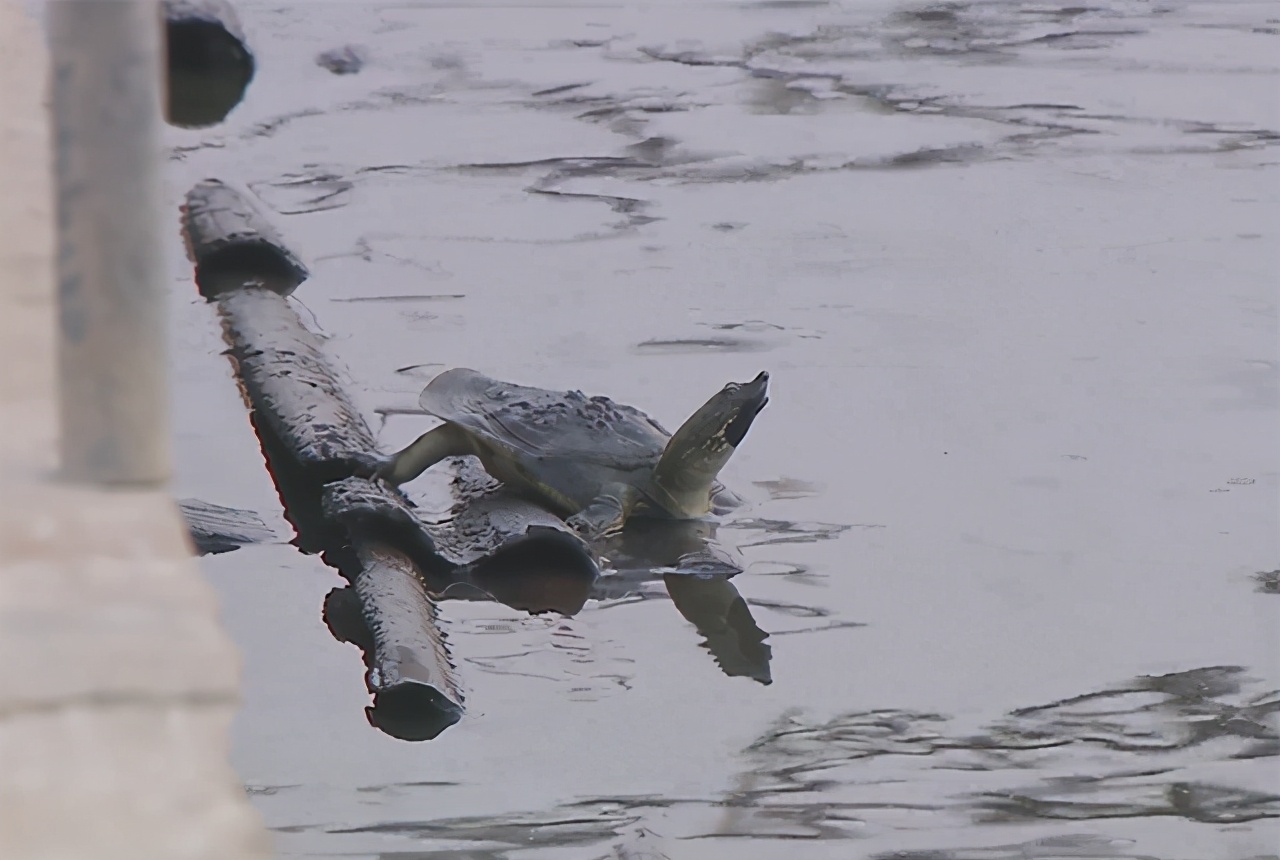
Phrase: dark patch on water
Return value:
(393, 169)
(629, 118)
(629, 206)
(415, 297)
(681, 346)
(780, 568)
(412, 370)
(784, 531)
(563, 88)
(1268, 581)
(997, 29)
(346, 60)
(790, 488)
(963, 154)
(761, 334)
(527, 831)
(581, 165)
(778, 97)
(1147, 796)
(749, 325)
(785, 4)
(796, 610)
(267, 790)
(690, 57)
(397, 786)
(830, 625)
(1083, 846)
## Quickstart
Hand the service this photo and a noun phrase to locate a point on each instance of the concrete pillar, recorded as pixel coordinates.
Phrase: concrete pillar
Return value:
(117, 684)
(106, 96)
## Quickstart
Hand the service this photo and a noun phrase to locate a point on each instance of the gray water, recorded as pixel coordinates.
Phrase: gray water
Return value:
(1012, 267)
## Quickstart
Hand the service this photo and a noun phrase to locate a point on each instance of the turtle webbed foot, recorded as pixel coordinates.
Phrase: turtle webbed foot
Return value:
(605, 515)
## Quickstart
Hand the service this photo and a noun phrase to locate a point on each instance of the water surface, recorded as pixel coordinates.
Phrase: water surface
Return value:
(1012, 269)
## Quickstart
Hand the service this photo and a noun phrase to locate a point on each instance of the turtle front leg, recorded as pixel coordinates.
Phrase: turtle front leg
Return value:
(607, 512)
(427, 450)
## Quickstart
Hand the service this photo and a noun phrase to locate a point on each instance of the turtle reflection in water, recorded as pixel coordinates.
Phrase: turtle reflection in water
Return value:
(589, 459)
(697, 571)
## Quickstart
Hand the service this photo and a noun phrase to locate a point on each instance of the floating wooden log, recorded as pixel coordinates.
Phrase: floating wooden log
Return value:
(315, 434)
(323, 457)
(411, 700)
(494, 541)
(415, 694)
(233, 244)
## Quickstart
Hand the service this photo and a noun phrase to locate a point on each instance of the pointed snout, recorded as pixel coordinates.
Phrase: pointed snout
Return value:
(758, 389)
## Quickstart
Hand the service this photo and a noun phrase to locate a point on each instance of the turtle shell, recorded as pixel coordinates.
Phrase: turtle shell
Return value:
(537, 425)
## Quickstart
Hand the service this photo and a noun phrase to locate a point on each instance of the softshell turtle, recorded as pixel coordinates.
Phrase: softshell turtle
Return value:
(589, 459)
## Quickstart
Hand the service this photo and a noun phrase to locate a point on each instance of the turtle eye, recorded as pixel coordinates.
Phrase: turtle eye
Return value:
(732, 387)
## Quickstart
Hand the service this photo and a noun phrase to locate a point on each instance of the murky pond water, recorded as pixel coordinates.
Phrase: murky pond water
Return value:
(1012, 268)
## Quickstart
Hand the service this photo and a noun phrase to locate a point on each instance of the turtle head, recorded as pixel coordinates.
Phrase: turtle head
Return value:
(705, 442)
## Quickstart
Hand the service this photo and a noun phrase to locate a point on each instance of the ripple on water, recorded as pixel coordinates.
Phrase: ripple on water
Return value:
(300, 193)
(1002, 80)
(1125, 752)
(565, 651)
(776, 531)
